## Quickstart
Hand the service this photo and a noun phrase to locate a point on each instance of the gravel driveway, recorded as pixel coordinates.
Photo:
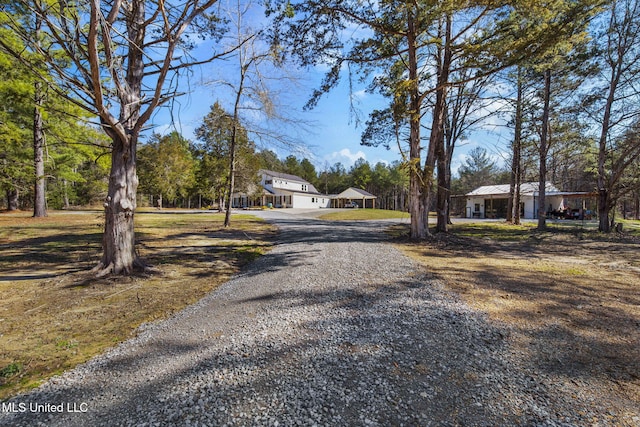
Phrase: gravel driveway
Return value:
(333, 327)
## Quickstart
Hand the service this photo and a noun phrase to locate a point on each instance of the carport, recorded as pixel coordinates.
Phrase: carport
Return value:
(361, 197)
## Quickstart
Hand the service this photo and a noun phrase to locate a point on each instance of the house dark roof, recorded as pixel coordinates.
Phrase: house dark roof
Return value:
(284, 176)
(311, 189)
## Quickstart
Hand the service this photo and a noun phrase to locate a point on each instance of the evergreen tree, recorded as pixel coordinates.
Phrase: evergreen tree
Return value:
(166, 167)
(216, 136)
(478, 170)
(269, 161)
(361, 174)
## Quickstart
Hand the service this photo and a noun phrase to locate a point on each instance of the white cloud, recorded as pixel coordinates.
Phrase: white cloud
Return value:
(360, 94)
(345, 156)
(456, 162)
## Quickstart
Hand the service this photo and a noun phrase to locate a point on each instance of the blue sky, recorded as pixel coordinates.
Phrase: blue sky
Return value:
(331, 136)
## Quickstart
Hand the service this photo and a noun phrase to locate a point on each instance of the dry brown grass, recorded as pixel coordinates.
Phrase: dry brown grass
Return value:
(571, 298)
(54, 314)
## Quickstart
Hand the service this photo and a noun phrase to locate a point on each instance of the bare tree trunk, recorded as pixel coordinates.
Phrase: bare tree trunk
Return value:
(516, 165)
(66, 194)
(437, 129)
(448, 186)
(233, 146)
(616, 64)
(12, 199)
(517, 200)
(39, 191)
(604, 208)
(232, 175)
(418, 187)
(39, 194)
(119, 256)
(544, 148)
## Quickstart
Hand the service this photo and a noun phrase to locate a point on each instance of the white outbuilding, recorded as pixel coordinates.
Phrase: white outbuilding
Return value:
(491, 201)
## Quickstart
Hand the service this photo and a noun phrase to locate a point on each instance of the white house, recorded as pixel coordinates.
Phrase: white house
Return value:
(491, 201)
(281, 190)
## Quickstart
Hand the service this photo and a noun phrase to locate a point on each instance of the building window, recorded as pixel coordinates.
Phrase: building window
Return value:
(268, 181)
(477, 207)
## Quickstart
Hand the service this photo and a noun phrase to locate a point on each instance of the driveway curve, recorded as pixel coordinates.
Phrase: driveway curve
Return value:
(334, 326)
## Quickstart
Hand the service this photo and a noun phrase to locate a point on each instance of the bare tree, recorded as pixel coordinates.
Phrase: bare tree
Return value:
(616, 102)
(120, 60)
(252, 81)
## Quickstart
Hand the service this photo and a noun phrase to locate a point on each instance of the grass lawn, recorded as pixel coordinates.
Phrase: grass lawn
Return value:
(55, 315)
(363, 214)
(570, 296)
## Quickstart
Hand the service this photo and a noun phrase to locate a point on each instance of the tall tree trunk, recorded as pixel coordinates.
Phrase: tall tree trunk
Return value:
(604, 208)
(437, 129)
(604, 196)
(516, 164)
(118, 241)
(39, 195)
(119, 256)
(447, 181)
(544, 148)
(232, 175)
(234, 144)
(442, 192)
(418, 182)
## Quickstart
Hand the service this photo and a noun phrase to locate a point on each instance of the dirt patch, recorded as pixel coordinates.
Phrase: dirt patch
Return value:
(571, 301)
(54, 314)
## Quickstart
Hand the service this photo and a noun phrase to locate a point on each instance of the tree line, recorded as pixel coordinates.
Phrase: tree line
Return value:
(560, 73)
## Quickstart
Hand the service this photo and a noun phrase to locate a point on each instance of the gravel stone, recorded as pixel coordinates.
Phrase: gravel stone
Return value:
(333, 327)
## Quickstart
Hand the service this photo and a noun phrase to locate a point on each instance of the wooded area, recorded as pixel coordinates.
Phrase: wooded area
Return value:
(80, 81)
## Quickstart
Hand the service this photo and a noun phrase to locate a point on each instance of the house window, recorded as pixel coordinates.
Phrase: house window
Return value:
(304, 187)
(268, 181)
(477, 207)
(313, 200)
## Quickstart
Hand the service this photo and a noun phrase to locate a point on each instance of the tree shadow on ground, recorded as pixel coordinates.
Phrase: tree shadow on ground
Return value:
(365, 354)
(576, 318)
